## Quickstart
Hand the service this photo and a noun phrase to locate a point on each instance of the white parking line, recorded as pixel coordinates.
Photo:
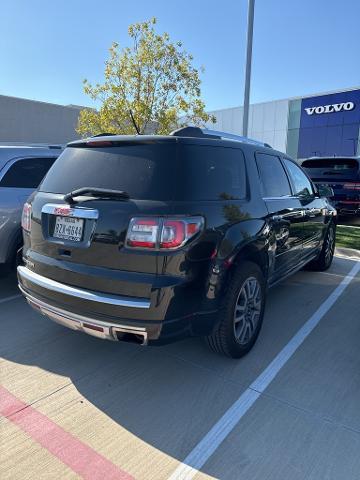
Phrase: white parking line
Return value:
(12, 297)
(211, 441)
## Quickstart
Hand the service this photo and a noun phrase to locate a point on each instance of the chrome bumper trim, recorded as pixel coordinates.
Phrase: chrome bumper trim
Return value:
(96, 328)
(63, 209)
(58, 287)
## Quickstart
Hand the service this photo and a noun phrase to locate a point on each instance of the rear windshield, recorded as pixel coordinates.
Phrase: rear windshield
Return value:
(154, 172)
(332, 163)
(139, 170)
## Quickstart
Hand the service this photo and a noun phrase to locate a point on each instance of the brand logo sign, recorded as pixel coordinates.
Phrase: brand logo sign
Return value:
(64, 211)
(335, 107)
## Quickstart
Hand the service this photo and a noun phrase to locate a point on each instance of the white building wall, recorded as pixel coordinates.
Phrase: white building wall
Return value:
(267, 122)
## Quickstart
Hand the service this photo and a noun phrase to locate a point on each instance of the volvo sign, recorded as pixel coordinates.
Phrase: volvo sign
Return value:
(335, 107)
(329, 124)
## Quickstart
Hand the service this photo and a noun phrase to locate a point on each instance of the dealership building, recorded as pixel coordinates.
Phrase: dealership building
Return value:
(316, 125)
(31, 121)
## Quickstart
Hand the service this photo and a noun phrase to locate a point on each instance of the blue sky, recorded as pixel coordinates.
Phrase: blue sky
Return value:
(300, 46)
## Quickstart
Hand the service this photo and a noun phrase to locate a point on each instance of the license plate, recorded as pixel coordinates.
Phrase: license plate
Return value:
(69, 228)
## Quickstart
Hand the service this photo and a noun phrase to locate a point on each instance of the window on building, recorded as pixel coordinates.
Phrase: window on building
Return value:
(26, 173)
(273, 177)
(302, 184)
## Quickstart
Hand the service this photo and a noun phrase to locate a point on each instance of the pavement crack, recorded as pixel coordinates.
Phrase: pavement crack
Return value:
(31, 404)
(314, 415)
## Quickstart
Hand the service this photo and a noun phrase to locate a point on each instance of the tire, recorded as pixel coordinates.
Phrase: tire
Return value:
(325, 258)
(18, 257)
(4, 270)
(15, 259)
(241, 313)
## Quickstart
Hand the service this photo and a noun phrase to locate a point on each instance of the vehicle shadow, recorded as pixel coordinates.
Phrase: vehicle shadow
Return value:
(169, 397)
(165, 401)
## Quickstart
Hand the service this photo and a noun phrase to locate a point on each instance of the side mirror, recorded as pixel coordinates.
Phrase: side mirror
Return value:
(325, 191)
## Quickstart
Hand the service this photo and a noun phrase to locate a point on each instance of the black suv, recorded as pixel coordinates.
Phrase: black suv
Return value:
(342, 174)
(150, 239)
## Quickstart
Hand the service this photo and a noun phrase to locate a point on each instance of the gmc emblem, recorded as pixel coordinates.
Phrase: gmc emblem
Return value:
(64, 211)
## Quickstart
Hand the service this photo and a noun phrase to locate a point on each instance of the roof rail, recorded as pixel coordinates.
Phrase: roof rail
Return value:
(32, 145)
(214, 134)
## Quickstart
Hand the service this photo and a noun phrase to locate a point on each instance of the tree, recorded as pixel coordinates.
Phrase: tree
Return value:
(149, 87)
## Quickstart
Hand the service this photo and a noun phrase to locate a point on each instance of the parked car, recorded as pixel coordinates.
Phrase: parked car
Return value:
(342, 174)
(21, 170)
(151, 239)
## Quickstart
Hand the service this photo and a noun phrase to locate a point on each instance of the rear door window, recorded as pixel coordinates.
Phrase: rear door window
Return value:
(26, 173)
(302, 184)
(274, 180)
(212, 173)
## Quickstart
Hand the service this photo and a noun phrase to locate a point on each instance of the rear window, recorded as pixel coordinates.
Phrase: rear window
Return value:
(26, 173)
(140, 170)
(155, 172)
(331, 163)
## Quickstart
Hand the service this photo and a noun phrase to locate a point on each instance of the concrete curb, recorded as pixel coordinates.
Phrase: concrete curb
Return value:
(350, 253)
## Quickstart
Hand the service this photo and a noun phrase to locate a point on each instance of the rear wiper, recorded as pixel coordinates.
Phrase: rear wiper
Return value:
(96, 193)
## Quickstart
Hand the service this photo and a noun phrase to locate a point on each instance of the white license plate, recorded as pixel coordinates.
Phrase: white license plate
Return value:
(69, 228)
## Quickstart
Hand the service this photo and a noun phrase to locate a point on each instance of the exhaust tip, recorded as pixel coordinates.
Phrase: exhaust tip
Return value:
(130, 337)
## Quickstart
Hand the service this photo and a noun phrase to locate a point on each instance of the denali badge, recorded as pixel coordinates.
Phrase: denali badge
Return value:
(336, 107)
(29, 263)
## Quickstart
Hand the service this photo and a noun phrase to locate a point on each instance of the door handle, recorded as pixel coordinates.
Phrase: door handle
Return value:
(281, 219)
(311, 212)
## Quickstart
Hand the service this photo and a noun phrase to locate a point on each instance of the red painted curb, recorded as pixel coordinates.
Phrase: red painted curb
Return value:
(81, 458)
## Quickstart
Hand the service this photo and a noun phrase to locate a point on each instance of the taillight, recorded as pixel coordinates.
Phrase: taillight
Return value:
(162, 233)
(142, 233)
(26, 217)
(352, 186)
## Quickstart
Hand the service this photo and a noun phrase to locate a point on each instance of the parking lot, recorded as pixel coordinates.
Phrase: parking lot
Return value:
(77, 407)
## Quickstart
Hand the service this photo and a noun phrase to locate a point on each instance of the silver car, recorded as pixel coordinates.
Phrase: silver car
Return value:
(21, 170)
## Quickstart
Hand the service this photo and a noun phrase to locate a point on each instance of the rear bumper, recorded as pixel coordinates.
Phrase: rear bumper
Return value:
(109, 316)
(97, 297)
(100, 329)
(348, 208)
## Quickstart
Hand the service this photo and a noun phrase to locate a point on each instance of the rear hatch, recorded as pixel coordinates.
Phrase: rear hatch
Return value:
(85, 247)
(342, 174)
(187, 186)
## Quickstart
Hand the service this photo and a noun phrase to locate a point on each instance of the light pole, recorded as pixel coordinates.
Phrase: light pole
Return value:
(250, 28)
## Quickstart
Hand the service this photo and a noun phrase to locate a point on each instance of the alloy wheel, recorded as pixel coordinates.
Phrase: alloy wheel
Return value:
(247, 310)
(329, 245)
